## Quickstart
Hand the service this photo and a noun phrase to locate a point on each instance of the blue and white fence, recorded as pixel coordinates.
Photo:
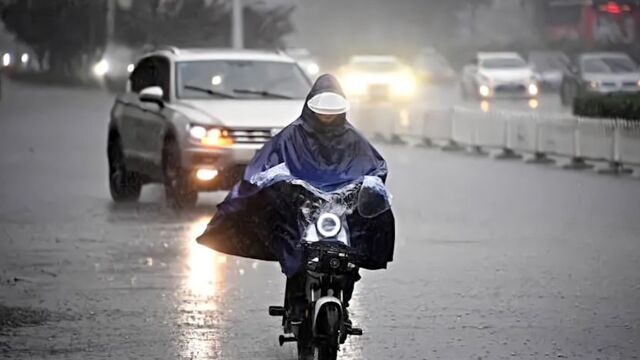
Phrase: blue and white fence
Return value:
(537, 136)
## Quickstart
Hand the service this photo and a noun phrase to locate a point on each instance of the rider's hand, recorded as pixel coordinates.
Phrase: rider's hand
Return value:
(373, 198)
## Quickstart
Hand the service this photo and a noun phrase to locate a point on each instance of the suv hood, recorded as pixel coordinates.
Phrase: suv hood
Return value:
(242, 113)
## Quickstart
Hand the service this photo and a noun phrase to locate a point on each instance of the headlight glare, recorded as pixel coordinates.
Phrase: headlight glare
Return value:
(6, 59)
(484, 90)
(328, 225)
(313, 69)
(403, 85)
(197, 132)
(101, 68)
(210, 137)
(355, 84)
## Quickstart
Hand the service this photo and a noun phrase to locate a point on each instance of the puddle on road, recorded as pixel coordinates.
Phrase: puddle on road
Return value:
(13, 317)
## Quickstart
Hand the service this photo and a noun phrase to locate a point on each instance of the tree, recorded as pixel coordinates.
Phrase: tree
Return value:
(71, 34)
(64, 31)
(199, 23)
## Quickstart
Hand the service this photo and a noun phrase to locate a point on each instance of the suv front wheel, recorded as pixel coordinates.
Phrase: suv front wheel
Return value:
(178, 191)
(124, 185)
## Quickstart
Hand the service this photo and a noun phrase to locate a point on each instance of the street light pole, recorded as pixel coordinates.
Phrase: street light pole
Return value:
(111, 18)
(237, 26)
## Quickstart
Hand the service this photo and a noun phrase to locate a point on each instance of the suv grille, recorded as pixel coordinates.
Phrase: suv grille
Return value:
(250, 136)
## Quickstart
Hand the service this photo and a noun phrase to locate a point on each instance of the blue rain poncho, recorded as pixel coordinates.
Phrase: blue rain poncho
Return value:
(259, 218)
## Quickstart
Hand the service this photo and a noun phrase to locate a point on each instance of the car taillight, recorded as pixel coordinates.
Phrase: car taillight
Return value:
(613, 7)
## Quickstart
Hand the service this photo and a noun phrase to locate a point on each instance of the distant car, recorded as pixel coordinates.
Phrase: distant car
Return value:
(307, 62)
(114, 67)
(432, 67)
(378, 78)
(194, 118)
(499, 74)
(550, 67)
(17, 61)
(600, 73)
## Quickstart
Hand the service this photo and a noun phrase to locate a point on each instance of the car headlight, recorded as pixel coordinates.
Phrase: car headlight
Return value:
(594, 84)
(328, 225)
(6, 59)
(210, 136)
(533, 89)
(313, 69)
(24, 58)
(403, 85)
(484, 90)
(101, 68)
(130, 68)
(638, 83)
(355, 84)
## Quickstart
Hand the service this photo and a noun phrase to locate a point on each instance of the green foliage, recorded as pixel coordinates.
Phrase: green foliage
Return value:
(614, 106)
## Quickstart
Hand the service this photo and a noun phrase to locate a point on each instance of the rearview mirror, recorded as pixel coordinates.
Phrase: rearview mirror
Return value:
(152, 94)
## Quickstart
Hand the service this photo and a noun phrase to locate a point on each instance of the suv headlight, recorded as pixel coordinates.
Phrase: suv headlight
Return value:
(210, 136)
(594, 84)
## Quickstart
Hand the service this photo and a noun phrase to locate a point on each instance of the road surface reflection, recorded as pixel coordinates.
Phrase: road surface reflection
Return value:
(200, 294)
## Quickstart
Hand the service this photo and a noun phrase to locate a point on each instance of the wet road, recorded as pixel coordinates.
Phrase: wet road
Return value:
(493, 260)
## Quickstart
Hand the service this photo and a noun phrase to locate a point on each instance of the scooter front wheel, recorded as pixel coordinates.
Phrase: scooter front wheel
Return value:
(327, 353)
(306, 350)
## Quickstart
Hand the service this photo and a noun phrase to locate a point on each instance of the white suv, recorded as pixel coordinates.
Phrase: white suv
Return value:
(193, 118)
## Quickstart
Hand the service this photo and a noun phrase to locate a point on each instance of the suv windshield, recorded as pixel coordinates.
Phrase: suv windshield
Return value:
(609, 65)
(502, 63)
(245, 79)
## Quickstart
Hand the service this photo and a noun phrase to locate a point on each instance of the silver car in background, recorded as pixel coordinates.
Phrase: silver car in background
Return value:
(499, 75)
(600, 73)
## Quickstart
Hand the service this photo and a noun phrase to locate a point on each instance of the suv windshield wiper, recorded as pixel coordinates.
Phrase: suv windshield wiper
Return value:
(209, 91)
(262, 93)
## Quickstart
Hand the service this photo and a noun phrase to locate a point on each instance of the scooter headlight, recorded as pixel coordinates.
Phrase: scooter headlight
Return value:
(328, 225)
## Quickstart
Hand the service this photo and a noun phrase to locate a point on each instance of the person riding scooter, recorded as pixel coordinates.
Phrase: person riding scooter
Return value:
(258, 217)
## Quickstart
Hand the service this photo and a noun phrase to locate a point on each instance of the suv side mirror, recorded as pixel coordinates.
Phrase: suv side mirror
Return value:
(152, 94)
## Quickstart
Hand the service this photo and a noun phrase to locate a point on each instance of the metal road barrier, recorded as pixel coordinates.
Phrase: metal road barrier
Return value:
(438, 128)
(463, 127)
(628, 143)
(523, 136)
(613, 142)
